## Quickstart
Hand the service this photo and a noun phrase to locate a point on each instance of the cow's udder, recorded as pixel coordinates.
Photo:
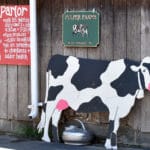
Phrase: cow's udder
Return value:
(62, 105)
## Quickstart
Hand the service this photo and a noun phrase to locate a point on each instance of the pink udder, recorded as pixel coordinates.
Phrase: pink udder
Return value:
(62, 104)
(149, 86)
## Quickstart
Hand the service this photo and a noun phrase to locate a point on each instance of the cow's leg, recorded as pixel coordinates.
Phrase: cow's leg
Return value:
(62, 104)
(42, 122)
(109, 135)
(55, 121)
(114, 134)
(48, 114)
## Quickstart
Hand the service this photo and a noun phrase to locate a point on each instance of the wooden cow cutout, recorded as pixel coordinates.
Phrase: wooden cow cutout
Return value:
(87, 85)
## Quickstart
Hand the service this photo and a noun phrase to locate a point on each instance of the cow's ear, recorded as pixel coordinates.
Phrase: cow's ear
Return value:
(134, 68)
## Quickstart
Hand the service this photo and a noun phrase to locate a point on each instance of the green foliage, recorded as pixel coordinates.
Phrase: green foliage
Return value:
(29, 132)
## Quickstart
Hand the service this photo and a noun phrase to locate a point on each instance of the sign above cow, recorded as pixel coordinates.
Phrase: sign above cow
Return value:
(80, 28)
(15, 35)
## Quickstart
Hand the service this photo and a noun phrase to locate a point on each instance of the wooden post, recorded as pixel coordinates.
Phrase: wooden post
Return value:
(145, 51)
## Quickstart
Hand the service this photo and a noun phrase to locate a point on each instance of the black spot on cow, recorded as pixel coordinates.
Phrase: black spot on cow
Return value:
(110, 129)
(147, 66)
(53, 91)
(127, 83)
(89, 73)
(113, 139)
(57, 65)
(142, 80)
(95, 105)
(55, 134)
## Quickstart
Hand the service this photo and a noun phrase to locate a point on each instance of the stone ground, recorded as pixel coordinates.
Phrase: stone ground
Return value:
(9, 142)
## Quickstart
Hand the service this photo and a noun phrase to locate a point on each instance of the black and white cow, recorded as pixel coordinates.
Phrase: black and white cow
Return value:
(80, 29)
(87, 85)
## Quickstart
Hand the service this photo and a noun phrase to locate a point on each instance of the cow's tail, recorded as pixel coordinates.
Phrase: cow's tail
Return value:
(41, 124)
(34, 106)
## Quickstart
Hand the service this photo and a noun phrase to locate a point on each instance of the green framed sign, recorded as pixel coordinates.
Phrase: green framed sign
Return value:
(80, 28)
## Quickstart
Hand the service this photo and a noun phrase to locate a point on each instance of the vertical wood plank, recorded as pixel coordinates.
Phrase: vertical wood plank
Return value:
(106, 44)
(94, 53)
(44, 28)
(3, 86)
(23, 92)
(23, 86)
(81, 5)
(12, 92)
(12, 85)
(120, 29)
(133, 29)
(134, 51)
(145, 29)
(107, 29)
(23, 2)
(57, 11)
(57, 47)
(69, 5)
(145, 51)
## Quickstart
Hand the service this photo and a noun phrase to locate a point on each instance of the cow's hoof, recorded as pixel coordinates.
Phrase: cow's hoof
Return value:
(114, 147)
(108, 144)
(40, 127)
(46, 139)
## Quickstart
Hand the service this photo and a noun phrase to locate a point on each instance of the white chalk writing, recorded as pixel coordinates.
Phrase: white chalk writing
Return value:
(12, 11)
(80, 17)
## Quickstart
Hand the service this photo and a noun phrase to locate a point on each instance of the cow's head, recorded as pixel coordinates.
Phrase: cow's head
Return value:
(144, 69)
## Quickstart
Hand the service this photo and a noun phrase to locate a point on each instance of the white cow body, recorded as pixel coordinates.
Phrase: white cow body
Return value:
(71, 96)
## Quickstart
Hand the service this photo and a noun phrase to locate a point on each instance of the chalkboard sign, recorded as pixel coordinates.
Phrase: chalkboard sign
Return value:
(80, 28)
(15, 35)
